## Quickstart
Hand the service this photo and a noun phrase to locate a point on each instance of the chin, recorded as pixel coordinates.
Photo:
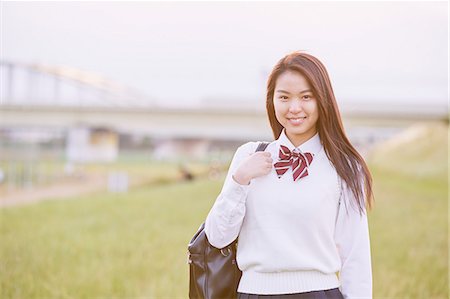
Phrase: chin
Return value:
(298, 130)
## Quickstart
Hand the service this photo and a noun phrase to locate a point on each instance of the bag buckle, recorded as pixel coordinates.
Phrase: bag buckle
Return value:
(227, 253)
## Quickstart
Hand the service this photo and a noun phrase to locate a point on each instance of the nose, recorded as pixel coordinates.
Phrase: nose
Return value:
(295, 106)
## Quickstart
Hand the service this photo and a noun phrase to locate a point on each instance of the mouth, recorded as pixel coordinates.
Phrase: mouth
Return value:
(296, 120)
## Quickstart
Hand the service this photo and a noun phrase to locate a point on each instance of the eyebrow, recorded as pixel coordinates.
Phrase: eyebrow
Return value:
(284, 91)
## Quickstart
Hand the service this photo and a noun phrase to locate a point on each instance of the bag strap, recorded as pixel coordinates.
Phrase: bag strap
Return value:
(262, 146)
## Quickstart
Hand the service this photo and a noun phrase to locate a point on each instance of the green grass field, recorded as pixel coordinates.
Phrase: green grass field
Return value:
(134, 245)
(104, 246)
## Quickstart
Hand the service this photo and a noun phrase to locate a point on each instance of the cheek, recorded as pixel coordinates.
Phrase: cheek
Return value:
(314, 112)
(279, 109)
(312, 108)
(278, 105)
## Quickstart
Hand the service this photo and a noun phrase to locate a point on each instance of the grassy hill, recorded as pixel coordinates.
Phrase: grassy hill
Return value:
(421, 152)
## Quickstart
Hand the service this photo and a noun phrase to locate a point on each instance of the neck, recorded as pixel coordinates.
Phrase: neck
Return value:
(298, 140)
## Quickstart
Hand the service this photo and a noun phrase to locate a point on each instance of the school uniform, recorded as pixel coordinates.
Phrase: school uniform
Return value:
(294, 235)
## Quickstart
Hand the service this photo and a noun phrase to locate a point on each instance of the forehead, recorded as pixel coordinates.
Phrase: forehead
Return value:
(291, 81)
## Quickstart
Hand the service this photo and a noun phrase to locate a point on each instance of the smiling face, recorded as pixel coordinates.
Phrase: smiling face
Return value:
(295, 107)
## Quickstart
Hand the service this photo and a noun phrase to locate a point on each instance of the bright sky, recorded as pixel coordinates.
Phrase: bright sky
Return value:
(181, 53)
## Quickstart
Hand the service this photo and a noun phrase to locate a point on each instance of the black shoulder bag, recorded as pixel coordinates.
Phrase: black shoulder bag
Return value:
(213, 272)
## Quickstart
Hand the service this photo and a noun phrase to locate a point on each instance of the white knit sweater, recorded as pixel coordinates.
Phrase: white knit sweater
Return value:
(293, 236)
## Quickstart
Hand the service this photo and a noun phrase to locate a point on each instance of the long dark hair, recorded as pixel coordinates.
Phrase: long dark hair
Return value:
(349, 164)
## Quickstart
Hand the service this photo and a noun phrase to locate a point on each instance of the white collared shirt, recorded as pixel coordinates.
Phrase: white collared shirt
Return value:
(293, 236)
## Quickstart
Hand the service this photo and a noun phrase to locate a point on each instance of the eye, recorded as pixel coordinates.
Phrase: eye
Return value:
(283, 97)
(307, 97)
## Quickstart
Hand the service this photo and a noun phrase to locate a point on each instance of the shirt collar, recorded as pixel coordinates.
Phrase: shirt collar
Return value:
(312, 145)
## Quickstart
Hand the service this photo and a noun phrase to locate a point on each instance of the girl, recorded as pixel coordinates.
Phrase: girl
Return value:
(299, 208)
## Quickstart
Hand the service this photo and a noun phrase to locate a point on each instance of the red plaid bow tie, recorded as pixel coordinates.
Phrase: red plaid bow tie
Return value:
(299, 162)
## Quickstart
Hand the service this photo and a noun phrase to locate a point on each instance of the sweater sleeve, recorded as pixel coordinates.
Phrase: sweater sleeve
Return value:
(353, 244)
(224, 220)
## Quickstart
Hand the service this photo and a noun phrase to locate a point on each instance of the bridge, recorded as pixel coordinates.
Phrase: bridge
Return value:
(36, 96)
